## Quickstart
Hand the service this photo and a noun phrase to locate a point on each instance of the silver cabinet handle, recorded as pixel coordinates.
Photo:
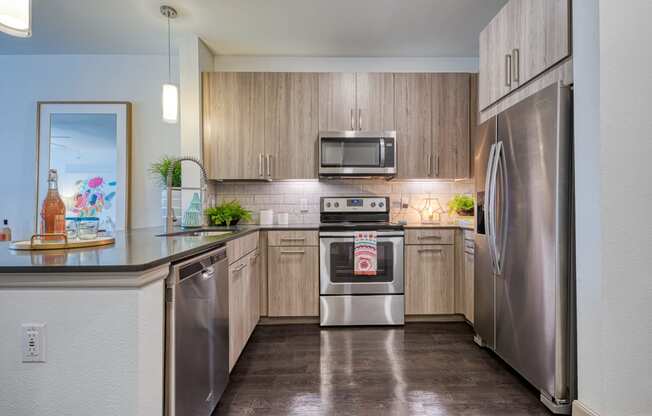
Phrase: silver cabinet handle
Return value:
(429, 237)
(293, 238)
(269, 165)
(429, 163)
(352, 120)
(293, 252)
(260, 164)
(437, 165)
(516, 65)
(434, 250)
(359, 119)
(508, 70)
(240, 268)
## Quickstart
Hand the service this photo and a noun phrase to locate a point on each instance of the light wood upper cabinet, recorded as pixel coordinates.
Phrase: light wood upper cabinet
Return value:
(233, 124)
(413, 95)
(524, 39)
(450, 120)
(291, 125)
(429, 280)
(375, 101)
(337, 106)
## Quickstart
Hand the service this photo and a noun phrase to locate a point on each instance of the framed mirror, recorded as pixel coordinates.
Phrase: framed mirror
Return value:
(88, 143)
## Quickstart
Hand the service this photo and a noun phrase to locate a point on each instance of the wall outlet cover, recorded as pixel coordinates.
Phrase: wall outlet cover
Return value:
(33, 342)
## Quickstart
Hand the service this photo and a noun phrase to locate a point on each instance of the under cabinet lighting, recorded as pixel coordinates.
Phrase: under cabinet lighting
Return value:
(16, 17)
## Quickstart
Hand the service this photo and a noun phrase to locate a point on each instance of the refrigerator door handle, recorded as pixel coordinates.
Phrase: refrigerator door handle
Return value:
(500, 166)
(488, 212)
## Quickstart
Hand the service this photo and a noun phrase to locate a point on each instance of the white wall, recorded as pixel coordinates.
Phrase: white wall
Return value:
(343, 64)
(613, 97)
(26, 79)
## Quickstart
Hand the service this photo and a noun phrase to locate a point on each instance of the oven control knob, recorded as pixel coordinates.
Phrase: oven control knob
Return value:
(337, 205)
(328, 205)
(381, 204)
(373, 204)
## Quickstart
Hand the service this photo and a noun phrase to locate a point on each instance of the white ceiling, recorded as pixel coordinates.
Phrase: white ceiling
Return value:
(361, 28)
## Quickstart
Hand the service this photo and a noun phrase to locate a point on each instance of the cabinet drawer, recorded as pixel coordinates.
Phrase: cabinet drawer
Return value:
(429, 236)
(292, 238)
(238, 248)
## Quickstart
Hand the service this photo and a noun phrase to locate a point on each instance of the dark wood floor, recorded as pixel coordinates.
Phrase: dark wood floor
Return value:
(419, 369)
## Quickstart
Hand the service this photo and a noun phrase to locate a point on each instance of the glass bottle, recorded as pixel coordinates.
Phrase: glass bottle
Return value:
(53, 212)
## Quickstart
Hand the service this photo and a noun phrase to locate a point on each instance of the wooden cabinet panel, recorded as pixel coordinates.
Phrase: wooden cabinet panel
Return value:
(233, 113)
(375, 101)
(468, 285)
(253, 291)
(429, 283)
(337, 101)
(543, 35)
(238, 248)
(429, 236)
(262, 273)
(474, 118)
(450, 121)
(238, 316)
(291, 125)
(413, 124)
(293, 281)
(293, 238)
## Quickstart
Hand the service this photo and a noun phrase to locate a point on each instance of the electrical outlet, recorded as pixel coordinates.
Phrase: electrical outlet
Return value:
(33, 337)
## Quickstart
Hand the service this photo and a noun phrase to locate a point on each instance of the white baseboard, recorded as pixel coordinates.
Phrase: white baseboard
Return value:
(580, 409)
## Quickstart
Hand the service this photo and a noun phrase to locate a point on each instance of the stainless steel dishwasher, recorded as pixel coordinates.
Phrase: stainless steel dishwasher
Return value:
(197, 334)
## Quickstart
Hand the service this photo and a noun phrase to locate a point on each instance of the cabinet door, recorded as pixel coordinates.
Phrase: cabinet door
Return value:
(450, 121)
(337, 101)
(542, 36)
(233, 104)
(293, 281)
(474, 117)
(468, 286)
(238, 318)
(375, 101)
(413, 125)
(291, 125)
(253, 307)
(430, 280)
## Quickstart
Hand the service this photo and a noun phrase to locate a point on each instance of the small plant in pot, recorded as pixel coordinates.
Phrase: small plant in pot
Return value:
(159, 170)
(462, 205)
(228, 214)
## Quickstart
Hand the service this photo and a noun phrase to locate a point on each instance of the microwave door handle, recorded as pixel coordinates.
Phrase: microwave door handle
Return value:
(382, 152)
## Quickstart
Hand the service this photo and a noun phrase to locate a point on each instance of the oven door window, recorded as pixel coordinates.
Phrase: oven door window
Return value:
(350, 152)
(341, 263)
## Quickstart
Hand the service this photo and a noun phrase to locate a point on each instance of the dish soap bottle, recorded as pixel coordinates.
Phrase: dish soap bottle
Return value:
(53, 212)
(5, 234)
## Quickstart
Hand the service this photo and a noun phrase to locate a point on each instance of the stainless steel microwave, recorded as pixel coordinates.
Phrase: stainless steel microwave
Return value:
(357, 153)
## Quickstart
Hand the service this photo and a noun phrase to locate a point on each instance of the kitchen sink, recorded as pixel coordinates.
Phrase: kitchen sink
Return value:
(198, 233)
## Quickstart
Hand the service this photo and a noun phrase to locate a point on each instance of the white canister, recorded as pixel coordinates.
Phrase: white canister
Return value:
(282, 218)
(266, 217)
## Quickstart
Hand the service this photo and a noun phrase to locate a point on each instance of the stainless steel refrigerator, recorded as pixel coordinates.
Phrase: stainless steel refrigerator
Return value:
(523, 255)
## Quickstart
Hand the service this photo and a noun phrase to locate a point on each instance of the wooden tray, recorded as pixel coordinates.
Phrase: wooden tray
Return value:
(62, 242)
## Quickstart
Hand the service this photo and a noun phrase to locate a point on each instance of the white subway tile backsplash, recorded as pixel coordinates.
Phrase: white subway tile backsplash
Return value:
(286, 196)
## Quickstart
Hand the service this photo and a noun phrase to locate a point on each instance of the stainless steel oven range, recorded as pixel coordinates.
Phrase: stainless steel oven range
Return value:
(347, 298)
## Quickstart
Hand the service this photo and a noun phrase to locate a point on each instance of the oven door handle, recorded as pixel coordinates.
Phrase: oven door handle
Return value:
(349, 234)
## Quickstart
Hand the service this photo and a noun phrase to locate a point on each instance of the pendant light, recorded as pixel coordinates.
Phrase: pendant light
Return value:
(16, 17)
(170, 95)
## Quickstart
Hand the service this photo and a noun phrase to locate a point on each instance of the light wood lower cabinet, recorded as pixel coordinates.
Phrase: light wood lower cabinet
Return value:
(293, 281)
(244, 306)
(467, 285)
(430, 279)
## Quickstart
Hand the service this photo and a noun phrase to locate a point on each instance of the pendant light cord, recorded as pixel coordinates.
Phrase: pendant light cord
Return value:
(169, 52)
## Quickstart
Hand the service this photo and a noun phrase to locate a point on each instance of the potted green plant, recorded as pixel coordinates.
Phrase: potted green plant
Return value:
(228, 214)
(159, 170)
(461, 205)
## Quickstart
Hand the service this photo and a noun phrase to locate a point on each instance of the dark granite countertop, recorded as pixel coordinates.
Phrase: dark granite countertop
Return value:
(134, 251)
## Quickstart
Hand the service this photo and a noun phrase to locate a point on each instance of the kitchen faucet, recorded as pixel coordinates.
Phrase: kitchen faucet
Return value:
(169, 218)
